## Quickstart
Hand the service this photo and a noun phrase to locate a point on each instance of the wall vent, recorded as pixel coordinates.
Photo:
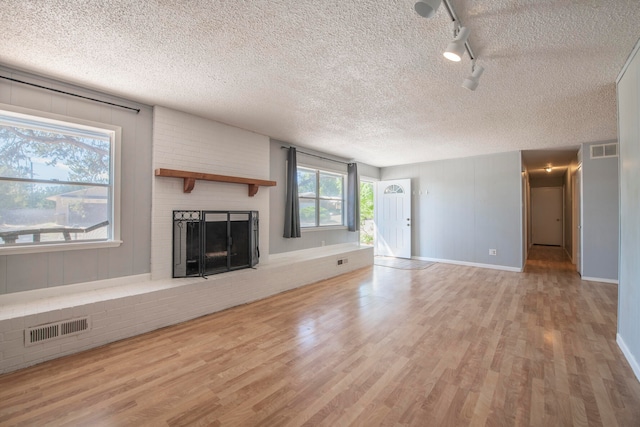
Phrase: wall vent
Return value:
(51, 331)
(602, 151)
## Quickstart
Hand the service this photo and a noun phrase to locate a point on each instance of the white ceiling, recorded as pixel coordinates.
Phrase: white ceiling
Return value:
(363, 79)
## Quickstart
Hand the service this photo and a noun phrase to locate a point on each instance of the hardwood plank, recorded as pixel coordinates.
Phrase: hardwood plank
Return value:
(448, 345)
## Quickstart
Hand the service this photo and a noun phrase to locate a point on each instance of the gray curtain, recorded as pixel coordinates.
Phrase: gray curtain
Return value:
(292, 204)
(353, 198)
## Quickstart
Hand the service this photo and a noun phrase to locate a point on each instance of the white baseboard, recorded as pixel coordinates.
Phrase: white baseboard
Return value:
(470, 264)
(627, 354)
(599, 279)
(569, 255)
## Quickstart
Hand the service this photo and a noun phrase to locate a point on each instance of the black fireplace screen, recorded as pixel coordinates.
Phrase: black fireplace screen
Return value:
(211, 242)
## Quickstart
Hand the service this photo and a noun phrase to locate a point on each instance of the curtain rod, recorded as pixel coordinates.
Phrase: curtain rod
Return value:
(315, 155)
(137, 110)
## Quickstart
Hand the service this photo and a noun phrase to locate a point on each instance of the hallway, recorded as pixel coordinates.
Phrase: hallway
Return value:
(447, 345)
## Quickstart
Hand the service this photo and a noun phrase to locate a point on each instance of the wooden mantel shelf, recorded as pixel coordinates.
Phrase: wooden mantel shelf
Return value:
(191, 177)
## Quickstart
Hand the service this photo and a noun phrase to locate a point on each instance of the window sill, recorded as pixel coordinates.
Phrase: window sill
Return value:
(58, 247)
(324, 228)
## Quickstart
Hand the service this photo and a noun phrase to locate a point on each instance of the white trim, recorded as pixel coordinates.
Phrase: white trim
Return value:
(323, 228)
(471, 264)
(114, 188)
(568, 254)
(318, 198)
(323, 168)
(629, 356)
(599, 279)
(58, 247)
(635, 50)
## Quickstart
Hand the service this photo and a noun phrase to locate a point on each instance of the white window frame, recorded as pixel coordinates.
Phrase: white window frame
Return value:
(317, 198)
(116, 132)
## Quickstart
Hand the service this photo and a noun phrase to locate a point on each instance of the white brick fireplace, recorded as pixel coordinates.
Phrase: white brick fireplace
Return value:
(185, 142)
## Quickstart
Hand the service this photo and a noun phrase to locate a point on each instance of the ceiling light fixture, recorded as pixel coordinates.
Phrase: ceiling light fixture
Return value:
(456, 48)
(460, 43)
(548, 169)
(472, 81)
(427, 8)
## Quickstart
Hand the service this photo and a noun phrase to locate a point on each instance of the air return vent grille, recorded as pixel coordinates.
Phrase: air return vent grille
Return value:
(51, 331)
(601, 151)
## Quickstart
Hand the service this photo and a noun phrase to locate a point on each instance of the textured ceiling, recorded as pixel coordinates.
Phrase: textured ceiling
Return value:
(361, 79)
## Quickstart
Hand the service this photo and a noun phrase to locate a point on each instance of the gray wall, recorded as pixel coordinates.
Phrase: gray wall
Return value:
(48, 269)
(310, 238)
(368, 171)
(629, 280)
(599, 216)
(461, 208)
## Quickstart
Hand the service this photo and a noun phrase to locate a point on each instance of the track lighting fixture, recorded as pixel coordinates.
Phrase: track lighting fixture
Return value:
(472, 81)
(427, 8)
(456, 48)
(460, 44)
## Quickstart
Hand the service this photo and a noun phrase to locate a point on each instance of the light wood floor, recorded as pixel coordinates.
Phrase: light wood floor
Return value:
(443, 346)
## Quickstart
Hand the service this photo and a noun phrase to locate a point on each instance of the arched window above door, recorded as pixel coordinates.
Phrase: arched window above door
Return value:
(394, 189)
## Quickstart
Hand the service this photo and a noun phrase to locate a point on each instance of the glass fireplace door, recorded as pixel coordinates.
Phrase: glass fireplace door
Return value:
(212, 242)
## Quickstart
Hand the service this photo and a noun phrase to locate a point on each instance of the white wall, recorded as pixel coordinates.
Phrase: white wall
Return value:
(629, 267)
(464, 207)
(186, 142)
(599, 217)
(35, 271)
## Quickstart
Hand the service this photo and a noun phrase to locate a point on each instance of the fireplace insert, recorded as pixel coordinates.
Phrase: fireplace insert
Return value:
(212, 242)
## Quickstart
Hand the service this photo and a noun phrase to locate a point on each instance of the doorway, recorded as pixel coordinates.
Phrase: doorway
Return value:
(393, 218)
(547, 216)
(367, 224)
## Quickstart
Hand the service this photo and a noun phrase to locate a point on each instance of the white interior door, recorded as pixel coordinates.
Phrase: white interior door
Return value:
(546, 216)
(393, 218)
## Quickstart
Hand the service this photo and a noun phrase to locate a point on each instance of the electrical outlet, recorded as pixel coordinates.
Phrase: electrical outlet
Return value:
(493, 252)
(339, 262)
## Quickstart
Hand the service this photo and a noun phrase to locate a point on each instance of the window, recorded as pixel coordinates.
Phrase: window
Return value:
(58, 181)
(321, 196)
(393, 189)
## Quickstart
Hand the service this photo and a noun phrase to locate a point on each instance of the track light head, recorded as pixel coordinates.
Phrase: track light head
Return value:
(427, 8)
(456, 48)
(472, 81)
